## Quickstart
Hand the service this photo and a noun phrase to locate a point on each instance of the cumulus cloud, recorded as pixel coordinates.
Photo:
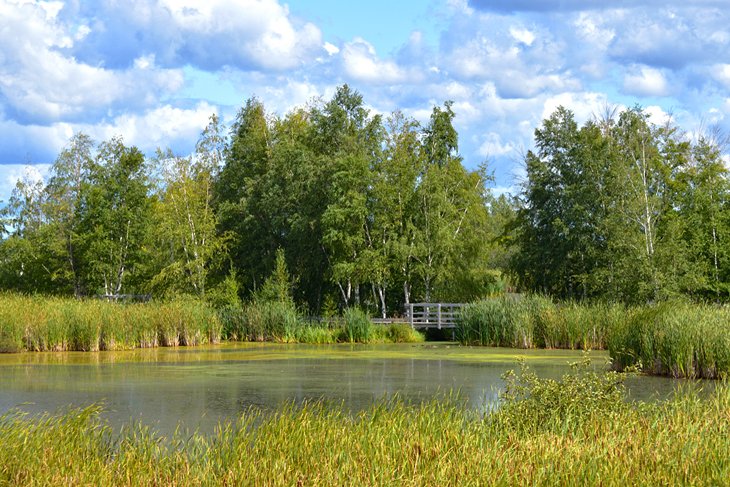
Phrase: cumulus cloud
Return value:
(161, 126)
(140, 68)
(248, 34)
(645, 81)
(39, 84)
(361, 63)
(493, 146)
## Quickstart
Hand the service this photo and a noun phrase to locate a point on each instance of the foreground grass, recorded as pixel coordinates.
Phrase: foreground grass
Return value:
(675, 339)
(575, 432)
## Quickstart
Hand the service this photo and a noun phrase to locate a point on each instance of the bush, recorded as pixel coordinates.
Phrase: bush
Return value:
(403, 333)
(533, 405)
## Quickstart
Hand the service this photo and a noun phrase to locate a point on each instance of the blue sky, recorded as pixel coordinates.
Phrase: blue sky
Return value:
(153, 71)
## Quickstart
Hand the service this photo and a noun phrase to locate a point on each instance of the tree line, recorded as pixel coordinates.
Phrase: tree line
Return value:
(359, 209)
(363, 210)
(624, 210)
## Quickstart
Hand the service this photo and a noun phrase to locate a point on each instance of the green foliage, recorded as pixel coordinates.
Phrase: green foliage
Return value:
(226, 293)
(534, 405)
(52, 324)
(403, 333)
(592, 439)
(358, 327)
(622, 210)
(278, 286)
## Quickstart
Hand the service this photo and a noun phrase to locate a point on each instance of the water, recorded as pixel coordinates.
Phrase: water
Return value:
(198, 387)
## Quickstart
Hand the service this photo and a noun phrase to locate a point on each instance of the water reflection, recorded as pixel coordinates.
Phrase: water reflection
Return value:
(198, 387)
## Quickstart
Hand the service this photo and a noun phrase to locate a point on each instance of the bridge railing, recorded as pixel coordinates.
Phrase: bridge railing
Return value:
(432, 315)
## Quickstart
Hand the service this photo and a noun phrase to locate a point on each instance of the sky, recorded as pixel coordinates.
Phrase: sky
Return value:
(153, 71)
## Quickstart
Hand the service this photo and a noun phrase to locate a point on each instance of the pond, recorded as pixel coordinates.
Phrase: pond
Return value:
(197, 387)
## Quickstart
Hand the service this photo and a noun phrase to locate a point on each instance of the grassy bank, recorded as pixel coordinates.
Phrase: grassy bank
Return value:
(54, 324)
(676, 339)
(575, 432)
(280, 322)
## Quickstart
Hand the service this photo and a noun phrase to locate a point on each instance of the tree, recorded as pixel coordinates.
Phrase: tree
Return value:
(69, 177)
(350, 144)
(389, 252)
(450, 212)
(115, 216)
(241, 196)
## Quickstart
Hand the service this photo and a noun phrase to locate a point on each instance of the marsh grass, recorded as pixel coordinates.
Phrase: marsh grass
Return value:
(670, 338)
(52, 324)
(280, 322)
(357, 326)
(535, 321)
(676, 339)
(577, 431)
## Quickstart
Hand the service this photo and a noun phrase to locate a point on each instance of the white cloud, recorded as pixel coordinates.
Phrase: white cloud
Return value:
(721, 73)
(645, 81)
(493, 146)
(584, 106)
(657, 115)
(10, 174)
(164, 126)
(361, 63)
(250, 34)
(524, 36)
(41, 84)
(331, 48)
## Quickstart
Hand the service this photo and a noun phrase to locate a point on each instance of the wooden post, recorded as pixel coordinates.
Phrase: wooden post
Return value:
(438, 314)
(410, 314)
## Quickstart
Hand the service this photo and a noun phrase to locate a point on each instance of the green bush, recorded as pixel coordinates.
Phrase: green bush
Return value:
(533, 404)
(403, 333)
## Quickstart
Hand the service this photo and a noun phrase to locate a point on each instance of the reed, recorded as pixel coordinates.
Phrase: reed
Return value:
(357, 326)
(670, 338)
(555, 434)
(676, 339)
(53, 324)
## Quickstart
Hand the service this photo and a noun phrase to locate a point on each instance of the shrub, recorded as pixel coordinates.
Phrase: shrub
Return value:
(533, 405)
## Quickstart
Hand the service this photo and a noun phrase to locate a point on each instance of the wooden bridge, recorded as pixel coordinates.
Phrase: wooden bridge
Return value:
(432, 315)
(423, 316)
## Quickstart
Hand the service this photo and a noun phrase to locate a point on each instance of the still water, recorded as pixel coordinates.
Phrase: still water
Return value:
(198, 387)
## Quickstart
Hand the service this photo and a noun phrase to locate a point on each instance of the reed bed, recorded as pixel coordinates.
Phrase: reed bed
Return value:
(536, 321)
(553, 435)
(671, 338)
(53, 324)
(676, 339)
(280, 322)
(33, 323)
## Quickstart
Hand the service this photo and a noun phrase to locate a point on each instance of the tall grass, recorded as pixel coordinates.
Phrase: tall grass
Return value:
(535, 321)
(280, 322)
(259, 321)
(547, 433)
(357, 326)
(53, 324)
(676, 339)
